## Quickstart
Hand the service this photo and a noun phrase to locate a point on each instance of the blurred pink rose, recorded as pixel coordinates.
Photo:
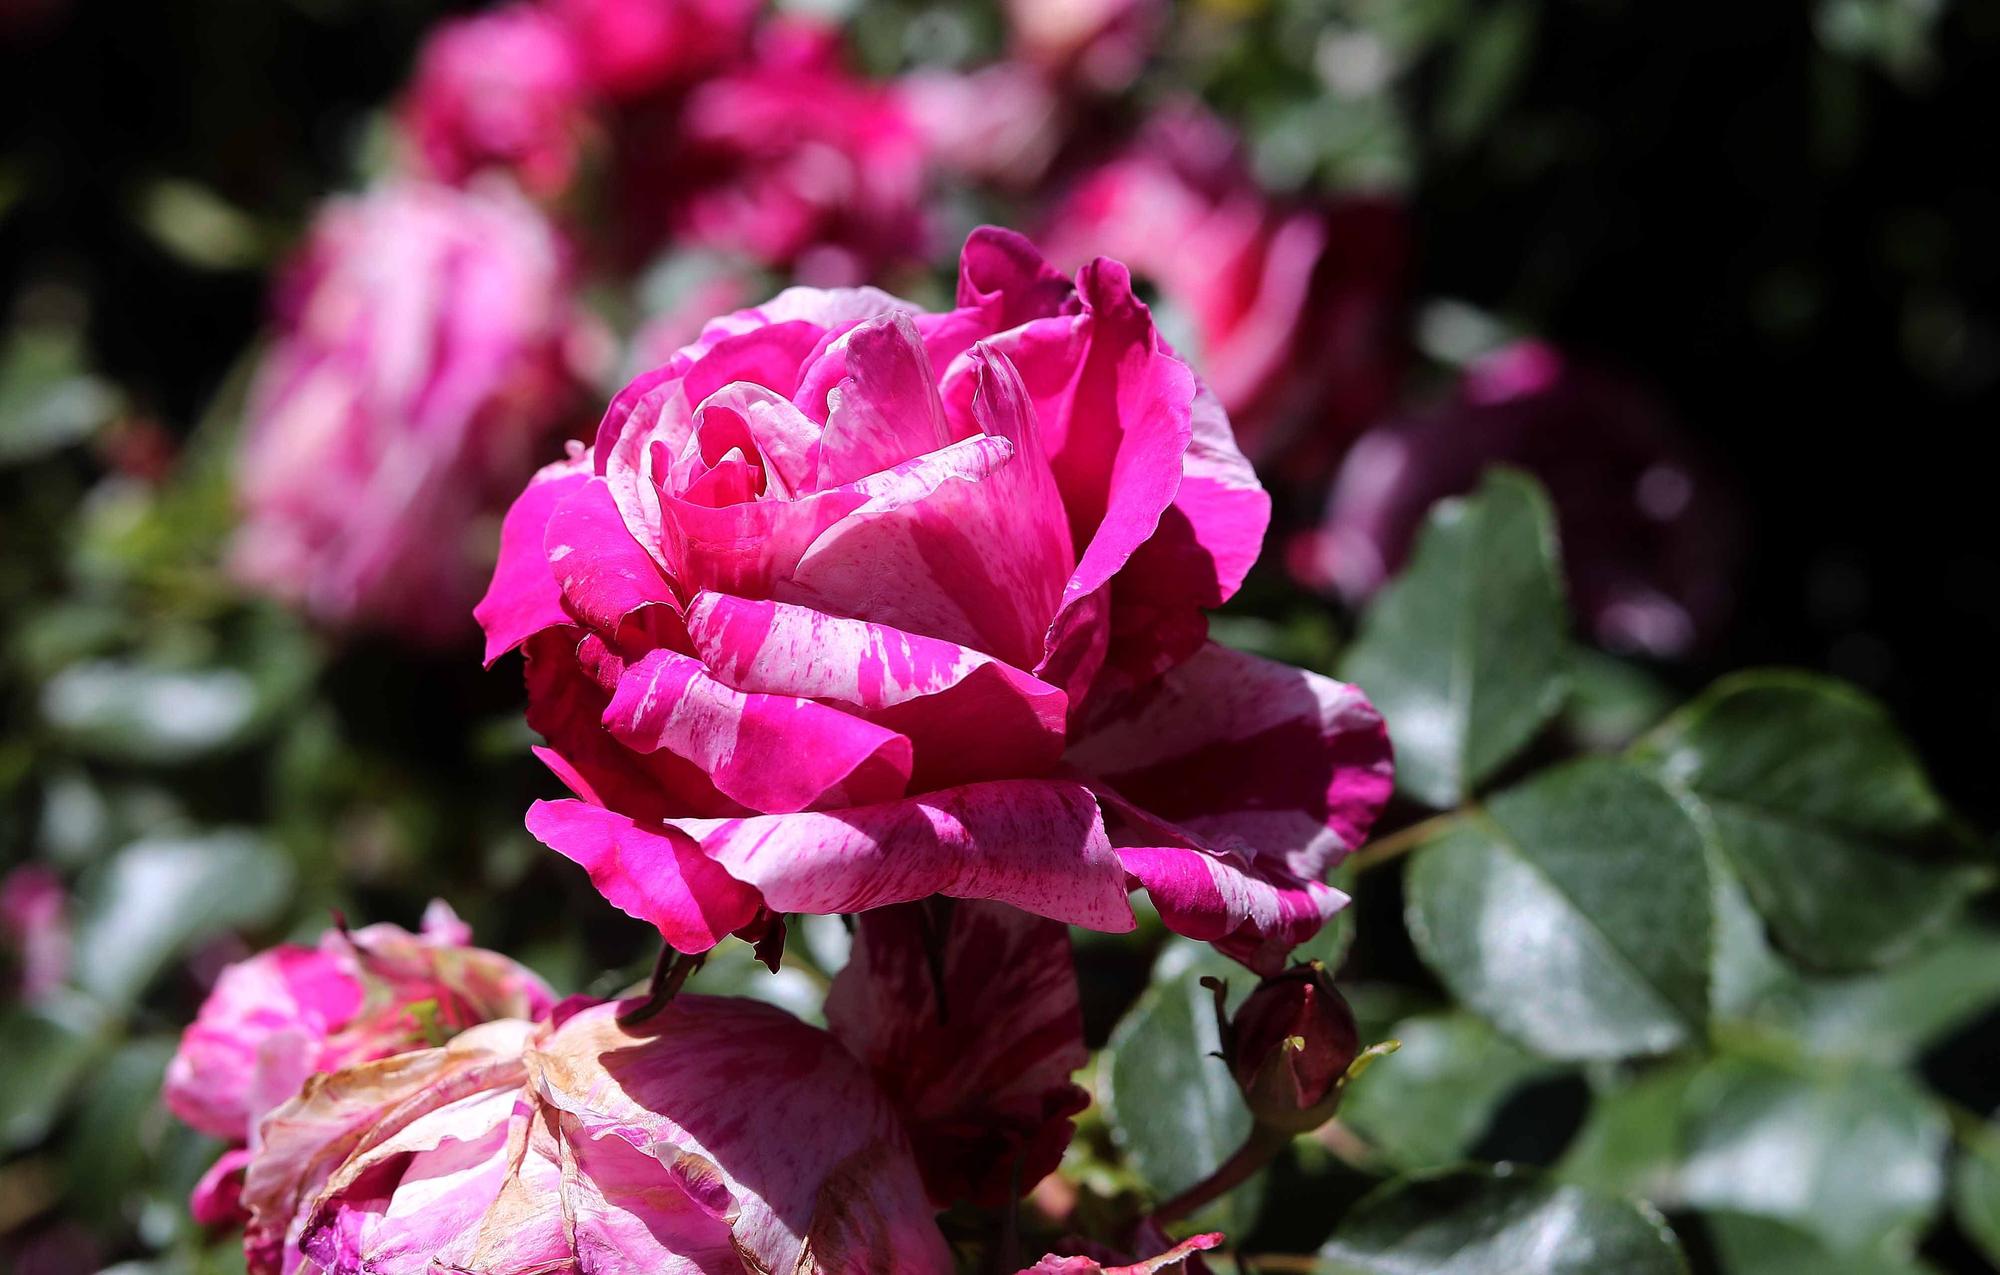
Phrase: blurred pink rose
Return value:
(718, 1135)
(853, 604)
(1294, 313)
(636, 48)
(967, 1014)
(1651, 533)
(1095, 44)
(1003, 123)
(502, 89)
(34, 932)
(290, 1012)
(424, 351)
(794, 162)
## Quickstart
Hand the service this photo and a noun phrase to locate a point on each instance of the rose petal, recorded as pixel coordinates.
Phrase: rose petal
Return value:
(605, 575)
(655, 874)
(524, 598)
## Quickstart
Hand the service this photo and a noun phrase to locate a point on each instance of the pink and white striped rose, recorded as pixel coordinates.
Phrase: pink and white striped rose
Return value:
(853, 604)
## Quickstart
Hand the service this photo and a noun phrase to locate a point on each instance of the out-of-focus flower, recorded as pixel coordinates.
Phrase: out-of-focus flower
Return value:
(637, 48)
(1002, 124)
(34, 932)
(967, 1014)
(425, 350)
(1651, 533)
(1290, 1046)
(718, 1135)
(1293, 313)
(1181, 1257)
(794, 162)
(503, 89)
(291, 1012)
(852, 605)
(703, 292)
(1099, 45)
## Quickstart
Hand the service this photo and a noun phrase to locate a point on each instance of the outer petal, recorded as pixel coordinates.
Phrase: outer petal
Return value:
(774, 753)
(605, 575)
(1181, 1255)
(1037, 844)
(763, 1121)
(655, 874)
(968, 1015)
(1233, 747)
(1210, 539)
(524, 598)
(968, 715)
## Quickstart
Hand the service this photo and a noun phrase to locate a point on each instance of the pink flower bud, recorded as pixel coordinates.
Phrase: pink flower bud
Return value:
(1289, 1047)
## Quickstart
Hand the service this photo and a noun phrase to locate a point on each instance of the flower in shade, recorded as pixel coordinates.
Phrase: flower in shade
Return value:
(1651, 533)
(292, 1012)
(853, 604)
(1294, 313)
(1290, 1046)
(638, 48)
(792, 161)
(718, 1135)
(34, 932)
(424, 350)
(967, 1014)
(502, 89)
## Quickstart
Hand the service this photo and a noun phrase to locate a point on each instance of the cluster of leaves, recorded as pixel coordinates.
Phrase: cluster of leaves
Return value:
(1708, 968)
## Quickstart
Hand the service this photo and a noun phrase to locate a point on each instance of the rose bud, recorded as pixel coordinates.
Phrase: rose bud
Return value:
(1290, 1047)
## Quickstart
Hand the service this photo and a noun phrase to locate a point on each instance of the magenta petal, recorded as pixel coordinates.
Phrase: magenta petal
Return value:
(1252, 910)
(1210, 539)
(968, 715)
(1037, 844)
(983, 1078)
(524, 598)
(604, 573)
(773, 753)
(1236, 748)
(656, 875)
(885, 409)
(217, 1200)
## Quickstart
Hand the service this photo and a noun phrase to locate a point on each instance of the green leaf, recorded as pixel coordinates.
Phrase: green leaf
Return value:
(1427, 1105)
(47, 400)
(1854, 1156)
(1171, 1103)
(1823, 811)
(110, 1153)
(156, 897)
(1630, 1142)
(1612, 700)
(1975, 1191)
(1501, 1222)
(131, 712)
(1575, 913)
(1465, 653)
(1890, 1016)
(1748, 1245)
(44, 1052)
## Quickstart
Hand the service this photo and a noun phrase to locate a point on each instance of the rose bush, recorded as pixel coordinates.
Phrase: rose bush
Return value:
(851, 605)
(426, 346)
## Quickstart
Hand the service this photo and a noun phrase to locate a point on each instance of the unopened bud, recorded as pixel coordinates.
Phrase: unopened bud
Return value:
(1290, 1047)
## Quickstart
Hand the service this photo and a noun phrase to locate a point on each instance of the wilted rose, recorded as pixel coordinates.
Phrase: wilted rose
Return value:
(1651, 532)
(719, 1135)
(1290, 1046)
(503, 89)
(425, 349)
(853, 604)
(289, 1013)
(1293, 312)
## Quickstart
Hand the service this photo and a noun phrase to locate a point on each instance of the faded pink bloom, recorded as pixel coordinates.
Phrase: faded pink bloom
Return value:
(718, 1135)
(1003, 123)
(424, 352)
(794, 162)
(291, 1012)
(502, 89)
(1293, 312)
(1098, 45)
(637, 48)
(853, 604)
(1651, 533)
(1181, 1257)
(967, 1014)
(34, 932)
